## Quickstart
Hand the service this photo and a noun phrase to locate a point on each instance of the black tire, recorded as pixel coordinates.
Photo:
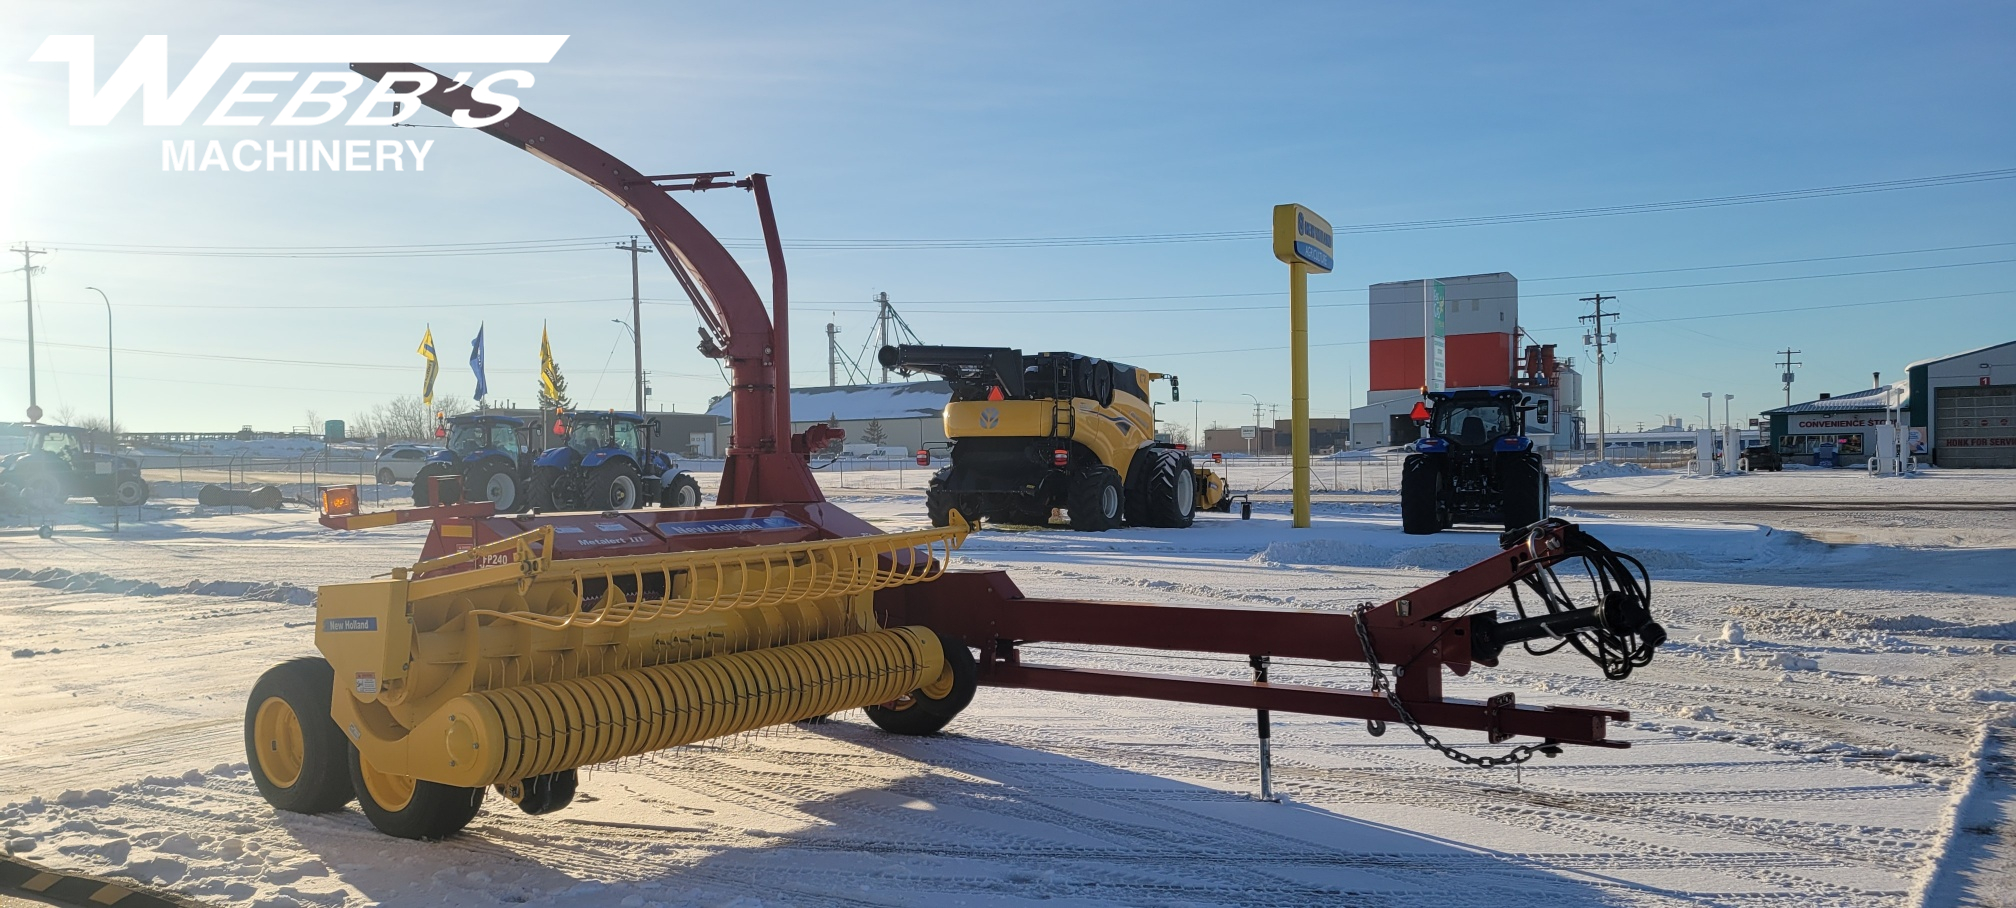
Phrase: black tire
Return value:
(683, 491)
(613, 486)
(1420, 497)
(432, 810)
(421, 496)
(1524, 480)
(385, 477)
(495, 482)
(300, 692)
(920, 714)
(542, 794)
(1097, 500)
(940, 503)
(1166, 494)
(128, 491)
(541, 491)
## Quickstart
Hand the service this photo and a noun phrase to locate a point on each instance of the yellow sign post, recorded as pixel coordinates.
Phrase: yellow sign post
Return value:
(1302, 240)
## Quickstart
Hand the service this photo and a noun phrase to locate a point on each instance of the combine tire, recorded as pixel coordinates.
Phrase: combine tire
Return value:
(409, 808)
(494, 483)
(1096, 499)
(683, 492)
(940, 504)
(613, 486)
(296, 752)
(1420, 497)
(540, 494)
(1525, 483)
(421, 494)
(925, 711)
(542, 794)
(1166, 495)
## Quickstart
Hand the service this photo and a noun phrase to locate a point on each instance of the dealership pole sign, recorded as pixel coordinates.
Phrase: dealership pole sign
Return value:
(317, 97)
(1303, 241)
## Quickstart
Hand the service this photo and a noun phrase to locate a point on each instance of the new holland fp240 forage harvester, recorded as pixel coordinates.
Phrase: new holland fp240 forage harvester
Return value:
(523, 647)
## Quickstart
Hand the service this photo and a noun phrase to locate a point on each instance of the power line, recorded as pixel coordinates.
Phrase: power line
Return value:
(1602, 436)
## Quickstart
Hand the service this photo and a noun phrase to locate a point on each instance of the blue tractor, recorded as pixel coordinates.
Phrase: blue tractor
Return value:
(492, 454)
(1473, 464)
(608, 464)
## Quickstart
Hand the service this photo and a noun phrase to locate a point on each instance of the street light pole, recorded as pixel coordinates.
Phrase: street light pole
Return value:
(111, 412)
(1256, 423)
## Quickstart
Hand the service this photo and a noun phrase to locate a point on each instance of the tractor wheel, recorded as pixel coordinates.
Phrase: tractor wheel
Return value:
(422, 496)
(41, 491)
(1096, 499)
(940, 503)
(542, 794)
(540, 491)
(929, 709)
(1166, 495)
(296, 752)
(613, 486)
(683, 491)
(494, 483)
(1420, 497)
(385, 477)
(409, 808)
(1525, 483)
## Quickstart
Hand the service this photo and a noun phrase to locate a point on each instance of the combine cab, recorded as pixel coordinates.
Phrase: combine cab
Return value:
(520, 648)
(491, 455)
(1056, 430)
(57, 466)
(607, 463)
(1473, 464)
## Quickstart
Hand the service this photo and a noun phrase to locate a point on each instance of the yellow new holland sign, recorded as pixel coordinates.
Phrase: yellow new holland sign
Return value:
(1300, 235)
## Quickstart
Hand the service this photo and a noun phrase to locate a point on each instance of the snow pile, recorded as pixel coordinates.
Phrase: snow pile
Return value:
(1785, 660)
(1732, 633)
(94, 582)
(1603, 469)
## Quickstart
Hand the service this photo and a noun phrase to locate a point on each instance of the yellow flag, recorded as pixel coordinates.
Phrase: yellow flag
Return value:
(433, 367)
(547, 368)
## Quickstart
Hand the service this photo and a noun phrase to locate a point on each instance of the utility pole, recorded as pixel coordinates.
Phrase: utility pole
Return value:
(637, 319)
(1601, 341)
(28, 278)
(882, 324)
(832, 355)
(1788, 353)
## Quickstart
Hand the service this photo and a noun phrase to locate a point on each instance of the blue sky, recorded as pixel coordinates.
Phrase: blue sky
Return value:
(945, 121)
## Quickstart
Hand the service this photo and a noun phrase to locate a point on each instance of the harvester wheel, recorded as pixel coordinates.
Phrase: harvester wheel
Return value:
(928, 709)
(1420, 497)
(683, 492)
(613, 486)
(408, 808)
(295, 750)
(1525, 483)
(495, 483)
(1167, 493)
(421, 496)
(1096, 499)
(542, 794)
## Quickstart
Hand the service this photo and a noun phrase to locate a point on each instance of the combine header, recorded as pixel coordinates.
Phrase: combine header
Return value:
(523, 647)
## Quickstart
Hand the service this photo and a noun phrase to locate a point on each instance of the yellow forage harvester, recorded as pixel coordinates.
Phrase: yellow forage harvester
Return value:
(499, 666)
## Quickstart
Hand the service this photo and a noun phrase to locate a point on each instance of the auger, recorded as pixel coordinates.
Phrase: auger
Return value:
(520, 648)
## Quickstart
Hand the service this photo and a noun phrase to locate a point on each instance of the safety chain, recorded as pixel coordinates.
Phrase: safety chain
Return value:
(1380, 683)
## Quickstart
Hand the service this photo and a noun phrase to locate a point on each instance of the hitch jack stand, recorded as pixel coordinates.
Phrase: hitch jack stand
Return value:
(1266, 725)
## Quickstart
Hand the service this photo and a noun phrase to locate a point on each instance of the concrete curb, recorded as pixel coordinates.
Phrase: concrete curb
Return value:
(33, 882)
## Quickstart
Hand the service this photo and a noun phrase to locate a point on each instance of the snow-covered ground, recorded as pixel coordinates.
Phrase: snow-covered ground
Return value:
(1821, 731)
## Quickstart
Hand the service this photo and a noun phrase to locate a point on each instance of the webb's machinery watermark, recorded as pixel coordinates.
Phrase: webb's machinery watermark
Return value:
(319, 97)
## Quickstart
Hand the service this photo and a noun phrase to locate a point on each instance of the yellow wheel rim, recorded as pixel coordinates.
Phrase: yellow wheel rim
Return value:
(282, 751)
(390, 792)
(900, 703)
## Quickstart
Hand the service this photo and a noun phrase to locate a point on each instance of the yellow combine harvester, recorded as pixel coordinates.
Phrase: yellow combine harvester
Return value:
(1057, 430)
(523, 647)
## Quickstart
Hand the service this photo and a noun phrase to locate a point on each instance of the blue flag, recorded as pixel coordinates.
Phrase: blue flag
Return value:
(476, 364)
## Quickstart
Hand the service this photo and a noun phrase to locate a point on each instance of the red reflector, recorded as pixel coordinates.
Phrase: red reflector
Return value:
(1061, 457)
(440, 432)
(994, 393)
(923, 458)
(1420, 413)
(1182, 447)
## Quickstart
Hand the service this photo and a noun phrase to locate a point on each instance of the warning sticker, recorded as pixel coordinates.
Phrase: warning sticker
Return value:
(367, 682)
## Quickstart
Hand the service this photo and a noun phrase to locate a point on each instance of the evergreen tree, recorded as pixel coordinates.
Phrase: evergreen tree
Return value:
(548, 402)
(873, 434)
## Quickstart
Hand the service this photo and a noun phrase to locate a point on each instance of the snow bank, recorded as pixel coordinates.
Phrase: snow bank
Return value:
(1603, 469)
(93, 582)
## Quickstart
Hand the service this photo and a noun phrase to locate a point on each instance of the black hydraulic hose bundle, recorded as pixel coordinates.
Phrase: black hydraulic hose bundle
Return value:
(1618, 633)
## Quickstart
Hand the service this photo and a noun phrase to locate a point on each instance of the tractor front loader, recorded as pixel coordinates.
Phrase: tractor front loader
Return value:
(1056, 430)
(520, 648)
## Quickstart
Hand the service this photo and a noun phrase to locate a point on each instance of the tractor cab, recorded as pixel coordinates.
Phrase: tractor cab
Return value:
(1474, 418)
(474, 436)
(607, 463)
(489, 453)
